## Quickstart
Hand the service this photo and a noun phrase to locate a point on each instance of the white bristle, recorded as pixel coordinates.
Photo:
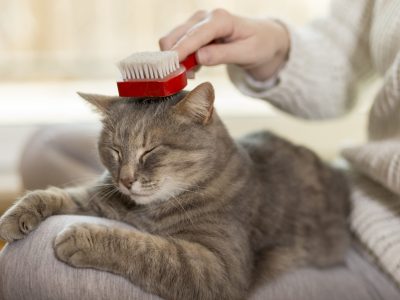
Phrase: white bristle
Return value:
(149, 65)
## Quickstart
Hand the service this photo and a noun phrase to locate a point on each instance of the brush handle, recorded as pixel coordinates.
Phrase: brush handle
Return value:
(190, 62)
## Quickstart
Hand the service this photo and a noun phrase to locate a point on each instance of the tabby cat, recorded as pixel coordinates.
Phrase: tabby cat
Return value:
(207, 207)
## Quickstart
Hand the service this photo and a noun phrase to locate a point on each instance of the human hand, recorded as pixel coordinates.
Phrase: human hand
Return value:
(260, 46)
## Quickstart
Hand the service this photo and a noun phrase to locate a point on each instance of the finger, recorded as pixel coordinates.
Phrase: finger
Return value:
(230, 53)
(170, 39)
(218, 25)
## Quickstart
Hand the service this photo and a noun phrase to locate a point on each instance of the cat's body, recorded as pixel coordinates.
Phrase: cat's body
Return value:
(208, 208)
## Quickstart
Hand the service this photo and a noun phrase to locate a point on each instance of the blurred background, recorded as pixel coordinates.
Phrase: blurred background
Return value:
(49, 49)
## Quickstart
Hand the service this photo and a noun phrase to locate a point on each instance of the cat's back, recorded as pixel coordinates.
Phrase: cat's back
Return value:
(271, 153)
(276, 158)
(297, 190)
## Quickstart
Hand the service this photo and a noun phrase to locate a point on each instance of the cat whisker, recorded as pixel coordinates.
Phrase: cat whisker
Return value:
(181, 187)
(104, 193)
(183, 209)
(111, 193)
(80, 180)
(105, 185)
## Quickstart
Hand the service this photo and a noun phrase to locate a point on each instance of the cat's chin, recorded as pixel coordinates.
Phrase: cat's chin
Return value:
(164, 192)
(138, 197)
(160, 195)
(143, 200)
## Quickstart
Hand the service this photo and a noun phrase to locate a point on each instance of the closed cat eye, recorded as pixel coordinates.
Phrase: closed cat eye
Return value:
(145, 153)
(115, 150)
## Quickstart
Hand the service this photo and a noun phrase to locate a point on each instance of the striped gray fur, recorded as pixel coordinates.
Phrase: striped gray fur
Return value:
(207, 207)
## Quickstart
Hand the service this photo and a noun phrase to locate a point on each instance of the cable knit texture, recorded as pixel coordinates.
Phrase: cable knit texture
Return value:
(379, 160)
(359, 39)
(376, 219)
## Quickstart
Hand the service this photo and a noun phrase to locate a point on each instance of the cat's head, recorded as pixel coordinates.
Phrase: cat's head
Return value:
(155, 149)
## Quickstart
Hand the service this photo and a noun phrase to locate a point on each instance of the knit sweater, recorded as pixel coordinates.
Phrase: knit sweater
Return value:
(359, 39)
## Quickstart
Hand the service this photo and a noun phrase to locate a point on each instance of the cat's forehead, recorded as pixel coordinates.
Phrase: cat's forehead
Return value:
(141, 128)
(135, 120)
(146, 109)
(134, 123)
(153, 103)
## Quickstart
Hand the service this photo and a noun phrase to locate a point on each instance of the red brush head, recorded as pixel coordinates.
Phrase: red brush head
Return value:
(154, 66)
(167, 86)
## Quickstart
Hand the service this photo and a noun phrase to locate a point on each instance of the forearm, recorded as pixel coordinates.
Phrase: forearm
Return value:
(35, 206)
(384, 121)
(29, 211)
(175, 269)
(89, 199)
(75, 201)
(53, 201)
(169, 260)
(325, 60)
(378, 159)
(169, 267)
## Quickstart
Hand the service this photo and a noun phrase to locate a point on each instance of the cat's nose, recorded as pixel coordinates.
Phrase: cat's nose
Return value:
(127, 182)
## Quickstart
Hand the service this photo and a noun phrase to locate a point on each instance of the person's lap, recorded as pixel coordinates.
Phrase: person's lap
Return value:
(60, 155)
(29, 269)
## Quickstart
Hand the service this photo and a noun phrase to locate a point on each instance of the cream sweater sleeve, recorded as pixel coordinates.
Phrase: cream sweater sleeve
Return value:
(326, 59)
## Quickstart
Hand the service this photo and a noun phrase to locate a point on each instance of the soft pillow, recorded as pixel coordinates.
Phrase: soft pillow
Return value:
(378, 160)
(375, 220)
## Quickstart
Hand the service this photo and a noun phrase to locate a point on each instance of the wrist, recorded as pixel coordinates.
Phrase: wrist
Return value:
(282, 41)
(278, 36)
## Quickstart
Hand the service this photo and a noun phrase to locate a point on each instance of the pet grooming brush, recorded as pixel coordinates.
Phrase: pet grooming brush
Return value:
(154, 74)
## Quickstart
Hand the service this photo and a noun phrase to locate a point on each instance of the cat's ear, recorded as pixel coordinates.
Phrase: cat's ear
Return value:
(101, 103)
(198, 104)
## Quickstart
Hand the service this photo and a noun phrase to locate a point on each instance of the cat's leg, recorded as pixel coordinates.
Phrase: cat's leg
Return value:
(272, 263)
(26, 214)
(169, 267)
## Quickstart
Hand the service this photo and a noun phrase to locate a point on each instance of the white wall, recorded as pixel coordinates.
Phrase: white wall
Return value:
(84, 38)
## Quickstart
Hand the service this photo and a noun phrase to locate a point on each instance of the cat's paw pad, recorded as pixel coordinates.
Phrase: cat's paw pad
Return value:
(76, 245)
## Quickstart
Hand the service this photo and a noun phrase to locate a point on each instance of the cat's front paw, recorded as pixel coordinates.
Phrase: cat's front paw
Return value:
(79, 245)
(24, 216)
